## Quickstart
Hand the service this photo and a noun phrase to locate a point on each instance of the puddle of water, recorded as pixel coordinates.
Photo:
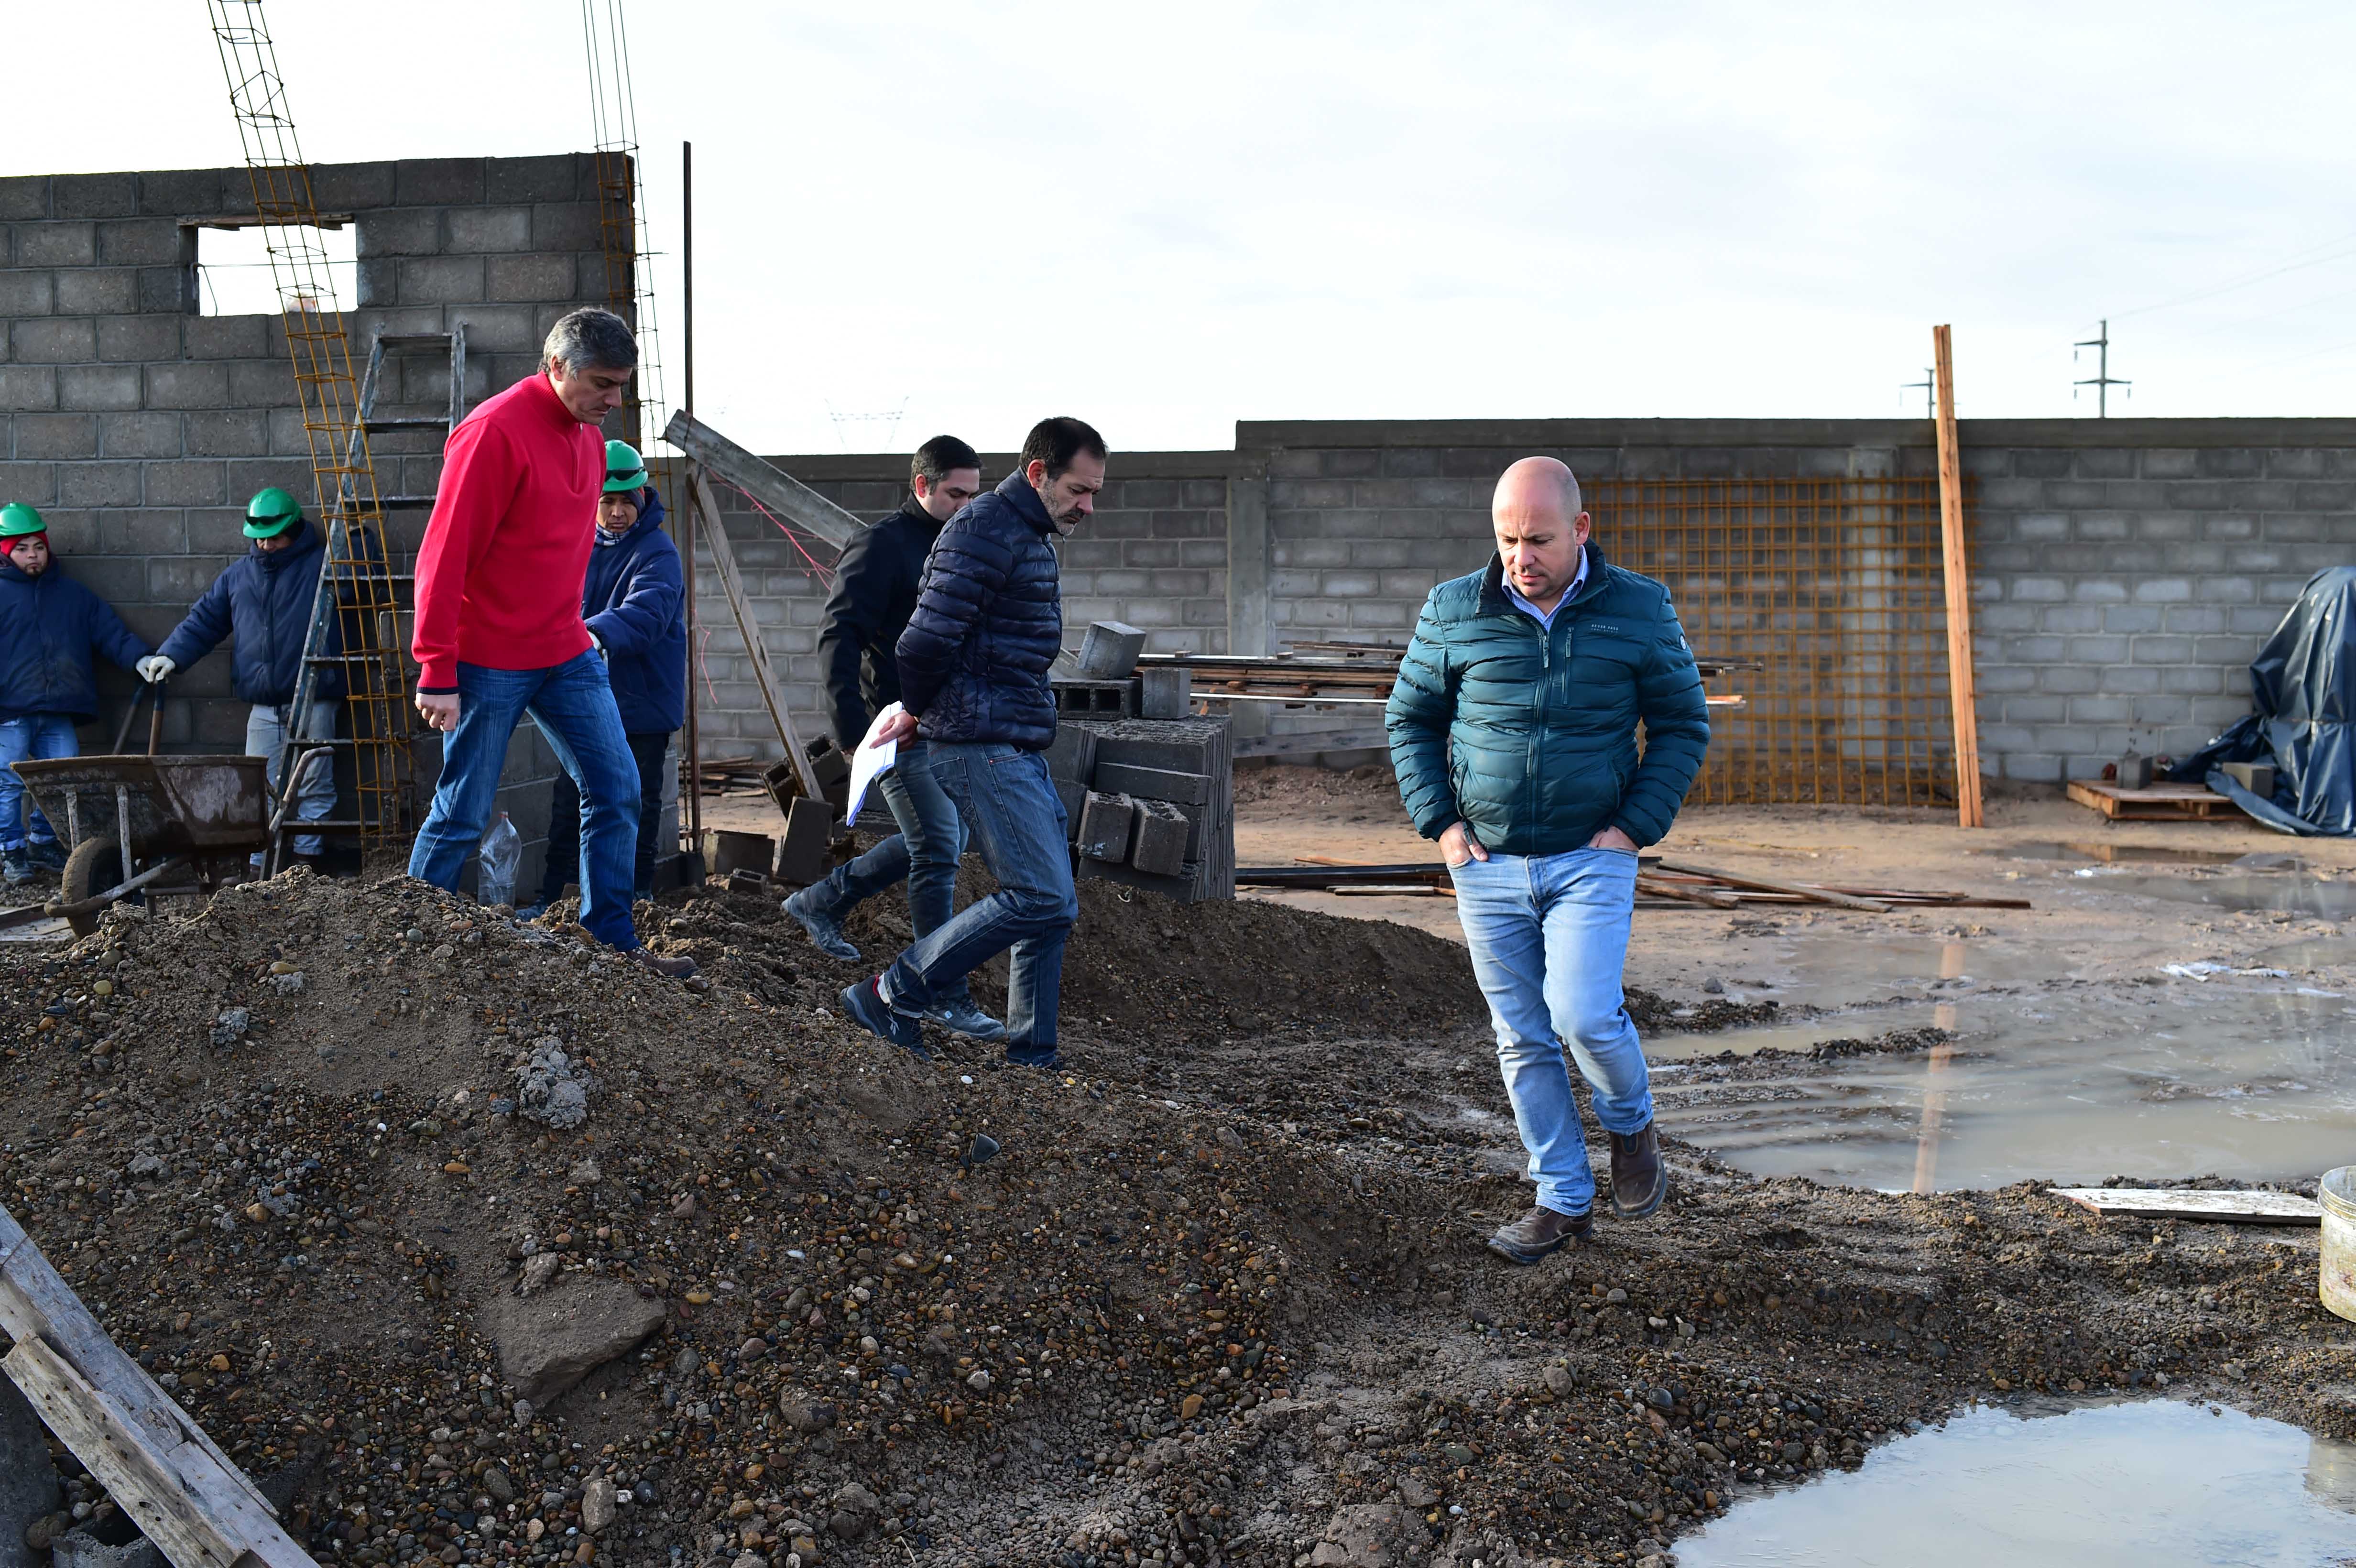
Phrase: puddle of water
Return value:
(2096, 849)
(2178, 1080)
(2299, 895)
(2122, 1485)
(2315, 952)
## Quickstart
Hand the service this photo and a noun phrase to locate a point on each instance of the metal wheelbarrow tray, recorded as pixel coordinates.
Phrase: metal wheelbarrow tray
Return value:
(201, 814)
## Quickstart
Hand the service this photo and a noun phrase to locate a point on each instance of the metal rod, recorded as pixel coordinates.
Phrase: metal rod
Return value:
(122, 827)
(692, 797)
(123, 889)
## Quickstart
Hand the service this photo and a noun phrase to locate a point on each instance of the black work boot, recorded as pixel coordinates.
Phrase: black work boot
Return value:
(1640, 1177)
(1538, 1232)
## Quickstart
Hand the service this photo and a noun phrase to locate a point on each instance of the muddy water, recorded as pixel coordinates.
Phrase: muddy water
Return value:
(2251, 1080)
(2295, 895)
(2099, 849)
(2121, 1486)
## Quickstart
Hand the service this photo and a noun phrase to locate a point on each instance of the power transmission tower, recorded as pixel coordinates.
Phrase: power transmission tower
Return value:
(1929, 386)
(2101, 380)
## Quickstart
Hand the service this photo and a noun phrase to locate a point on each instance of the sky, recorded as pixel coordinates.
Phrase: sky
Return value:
(916, 218)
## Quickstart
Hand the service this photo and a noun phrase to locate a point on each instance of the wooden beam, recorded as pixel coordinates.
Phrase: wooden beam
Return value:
(188, 1496)
(2192, 1203)
(731, 582)
(1963, 692)
(1686, 893)
(1766, 885)
(766, 483)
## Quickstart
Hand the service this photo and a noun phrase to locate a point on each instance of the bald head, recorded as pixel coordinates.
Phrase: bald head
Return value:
(1540, 528)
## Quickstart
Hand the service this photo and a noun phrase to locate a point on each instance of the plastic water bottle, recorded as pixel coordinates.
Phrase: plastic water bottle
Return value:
(501, 853)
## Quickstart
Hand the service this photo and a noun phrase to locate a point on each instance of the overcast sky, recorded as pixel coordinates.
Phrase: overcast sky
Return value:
(1168, 218)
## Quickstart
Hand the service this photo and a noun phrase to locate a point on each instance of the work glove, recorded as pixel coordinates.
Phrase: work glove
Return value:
(154, 667)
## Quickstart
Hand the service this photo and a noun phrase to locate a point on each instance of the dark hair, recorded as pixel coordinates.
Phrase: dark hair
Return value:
(1057, 441)
(940, 457)
(590, 340)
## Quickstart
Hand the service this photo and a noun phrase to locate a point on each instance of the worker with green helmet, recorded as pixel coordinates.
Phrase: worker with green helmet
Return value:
(633, 603)
(264, 600)
(51, 627)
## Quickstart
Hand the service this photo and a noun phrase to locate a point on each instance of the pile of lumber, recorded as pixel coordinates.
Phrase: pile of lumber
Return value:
(1328, 673)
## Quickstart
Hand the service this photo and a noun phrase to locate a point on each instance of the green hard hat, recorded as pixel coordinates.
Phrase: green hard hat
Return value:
(16, 517)
(270, 513)
(625, 469)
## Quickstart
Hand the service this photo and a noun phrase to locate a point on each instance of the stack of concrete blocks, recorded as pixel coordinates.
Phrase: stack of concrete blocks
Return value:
(1151, 803)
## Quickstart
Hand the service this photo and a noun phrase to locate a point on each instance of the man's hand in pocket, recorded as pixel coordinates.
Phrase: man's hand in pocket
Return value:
(1457, 844)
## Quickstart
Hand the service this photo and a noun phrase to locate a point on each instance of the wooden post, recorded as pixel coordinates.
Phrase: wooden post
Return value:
(691, 739)
(724, 567)
(1962, 689)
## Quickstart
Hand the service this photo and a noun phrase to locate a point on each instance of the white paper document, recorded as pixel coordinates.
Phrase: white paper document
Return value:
(871, 760)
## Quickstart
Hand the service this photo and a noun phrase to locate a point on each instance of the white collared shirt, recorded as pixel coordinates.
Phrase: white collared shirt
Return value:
(1545, 618)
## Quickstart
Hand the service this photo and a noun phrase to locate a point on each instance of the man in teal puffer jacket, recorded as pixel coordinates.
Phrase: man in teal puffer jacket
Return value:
(1513, 730)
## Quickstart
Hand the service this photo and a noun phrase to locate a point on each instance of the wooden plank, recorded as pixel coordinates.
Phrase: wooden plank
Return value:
(1767, 885)
(731, 582)
(766, 483)
(52, 1329)
(2163, 802)
(2171, 1203)
(1962, 693)
(1686, 892)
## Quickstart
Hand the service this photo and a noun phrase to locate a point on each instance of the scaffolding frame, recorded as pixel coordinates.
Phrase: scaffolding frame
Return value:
(343, 467)
(1836, 588)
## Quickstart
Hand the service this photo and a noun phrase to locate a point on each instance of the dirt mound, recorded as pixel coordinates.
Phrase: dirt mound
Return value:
(1200, 1297)
(1284, 787)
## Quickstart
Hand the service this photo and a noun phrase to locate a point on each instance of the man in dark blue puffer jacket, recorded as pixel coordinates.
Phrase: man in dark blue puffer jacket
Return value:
(973, 680)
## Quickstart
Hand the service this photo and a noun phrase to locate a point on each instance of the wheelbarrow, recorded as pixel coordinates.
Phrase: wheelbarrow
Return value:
(138, 825)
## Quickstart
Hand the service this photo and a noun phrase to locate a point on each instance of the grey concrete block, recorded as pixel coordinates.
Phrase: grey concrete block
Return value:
(226, 337)
(1107, 825)
(1159, 845)
(1110, 650)
(237, 433)
(145, 242)
(430, 182)
(55, 435)
(529, 277)
(566, 225)
(189, 192)
(2224, 590)
(551, 178)
(184, 484)
(125, 339)
(102, 389)
(57, 244)
(1168, 692)
(168, 291)
(53, 340)
(1073, 754)
(94, 196)
(24, 198)
(482, 229)
(2162, 590)
(493, 327)
(189, 385)
(1154, 784)
(26, 292)
(401, 231)
(441, 280)
(260, 383)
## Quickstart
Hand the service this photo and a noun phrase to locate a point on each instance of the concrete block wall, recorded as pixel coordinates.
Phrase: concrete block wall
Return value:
(140, 427)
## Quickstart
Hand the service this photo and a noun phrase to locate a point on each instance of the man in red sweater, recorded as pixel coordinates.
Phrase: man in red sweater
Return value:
(498, 618)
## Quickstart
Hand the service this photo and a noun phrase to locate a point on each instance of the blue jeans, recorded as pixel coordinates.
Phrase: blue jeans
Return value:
(314, 790)
(924, 853)
(649, 750)
(1549, 936)
(574, 709)
(35, 737)
(1016, 820)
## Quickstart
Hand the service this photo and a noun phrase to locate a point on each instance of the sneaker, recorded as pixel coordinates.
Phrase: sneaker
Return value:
(47, 853)
(678, 968)
(865, 1006)
(15, 867)
(1640, 1177)
(961, 1017)
(1538, 1232)
(825, 930)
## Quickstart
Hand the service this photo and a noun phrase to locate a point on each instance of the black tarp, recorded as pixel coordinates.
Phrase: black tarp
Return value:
(2304, 685)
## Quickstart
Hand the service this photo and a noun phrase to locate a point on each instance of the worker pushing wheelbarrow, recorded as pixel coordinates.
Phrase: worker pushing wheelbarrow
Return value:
(138, 825)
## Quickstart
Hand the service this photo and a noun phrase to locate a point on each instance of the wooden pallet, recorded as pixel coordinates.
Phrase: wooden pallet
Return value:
(2161, 802)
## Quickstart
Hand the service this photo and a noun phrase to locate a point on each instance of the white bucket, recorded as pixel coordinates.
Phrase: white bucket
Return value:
(2338, 1191)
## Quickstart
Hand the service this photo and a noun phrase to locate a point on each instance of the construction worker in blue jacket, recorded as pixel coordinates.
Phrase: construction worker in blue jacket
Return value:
(633, 603)
(264, 600)
(50, 628)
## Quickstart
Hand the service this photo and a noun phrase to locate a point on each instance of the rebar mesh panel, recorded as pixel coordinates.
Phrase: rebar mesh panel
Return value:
(1837, 587)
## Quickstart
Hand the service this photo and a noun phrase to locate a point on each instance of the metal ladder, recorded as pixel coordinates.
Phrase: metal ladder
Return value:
(358, 584)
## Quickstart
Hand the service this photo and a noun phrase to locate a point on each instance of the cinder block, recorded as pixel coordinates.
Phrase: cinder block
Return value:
(528, 278)
(54, 340)
(1110, 650)
(566, 225)
(56, 245)
(2135, 772)
(144, 243)
(1073, 755)
(731, 852)
(24, 198)
(57, 436)
(1153, 784)
(2258, 778)
(225, 336)
(27, 386)
(1106, 823)
(427, 182)
(122, 339)
(180, 385)
(1166, 692)
(102, 389)
(95, 196)
(168, 291)
(801, 853)
(476, 231)
(548, 178)
(1072, 795)
(1159, 845)
(99, 485)
(442, 280)
(28, 291)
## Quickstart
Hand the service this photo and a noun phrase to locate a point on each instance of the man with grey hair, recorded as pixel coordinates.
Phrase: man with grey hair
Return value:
(1513, 728)
(498, 629)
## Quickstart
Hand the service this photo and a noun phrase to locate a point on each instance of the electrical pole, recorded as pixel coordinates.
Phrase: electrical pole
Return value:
(2103, 381)
(1929, 386)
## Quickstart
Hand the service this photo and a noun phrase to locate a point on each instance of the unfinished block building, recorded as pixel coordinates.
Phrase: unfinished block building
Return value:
(2123, 570)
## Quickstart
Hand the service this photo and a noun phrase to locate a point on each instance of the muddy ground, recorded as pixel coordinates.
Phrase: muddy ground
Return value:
(1219, 1297)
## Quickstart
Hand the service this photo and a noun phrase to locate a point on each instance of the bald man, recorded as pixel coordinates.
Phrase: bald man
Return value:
(1512, 727)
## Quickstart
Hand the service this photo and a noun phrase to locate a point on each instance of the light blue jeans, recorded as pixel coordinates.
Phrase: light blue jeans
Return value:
(35, 737)
(1549, 936)
(314, 789)
(923, 854)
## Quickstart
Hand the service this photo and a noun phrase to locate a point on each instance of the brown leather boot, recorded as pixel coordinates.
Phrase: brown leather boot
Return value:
(1538, 1232)
(1640, 1177)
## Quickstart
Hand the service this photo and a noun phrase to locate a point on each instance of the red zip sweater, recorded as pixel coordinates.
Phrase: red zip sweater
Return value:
(499, 573)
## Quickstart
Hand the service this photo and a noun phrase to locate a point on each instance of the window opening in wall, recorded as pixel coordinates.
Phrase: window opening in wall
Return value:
(234, 273)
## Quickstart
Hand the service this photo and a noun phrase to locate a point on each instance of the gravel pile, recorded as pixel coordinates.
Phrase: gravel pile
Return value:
(1214, 1293)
